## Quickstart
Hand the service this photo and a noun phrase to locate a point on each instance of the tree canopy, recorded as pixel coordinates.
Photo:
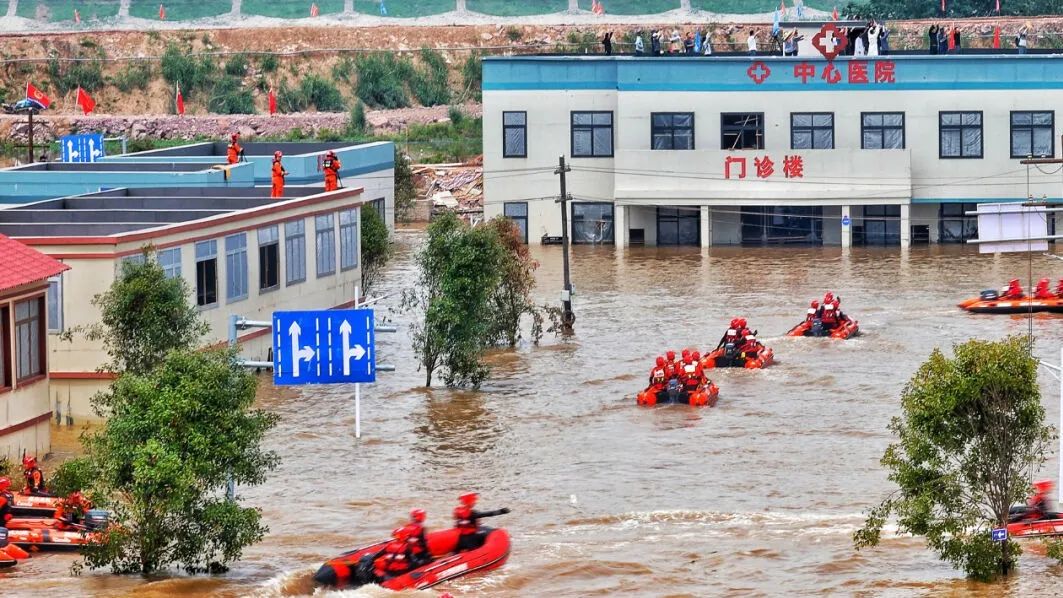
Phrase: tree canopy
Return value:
(971, 435)
(376, 248)
(919, 9)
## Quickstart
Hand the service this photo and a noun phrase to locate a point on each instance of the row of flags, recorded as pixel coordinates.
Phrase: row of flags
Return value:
(87, 104)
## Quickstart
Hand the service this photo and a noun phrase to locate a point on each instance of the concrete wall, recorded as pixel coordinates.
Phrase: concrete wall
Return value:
(93, 269)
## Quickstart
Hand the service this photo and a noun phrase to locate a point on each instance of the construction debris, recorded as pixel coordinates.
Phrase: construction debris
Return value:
(453, 187)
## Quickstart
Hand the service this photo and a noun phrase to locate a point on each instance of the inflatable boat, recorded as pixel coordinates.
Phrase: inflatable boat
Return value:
(675, 394)
(1019, 526)
(355, 568)
(846, 329)
(728, 356)
(44, 533)
(9, 553)
(990, 302)
(32, 505)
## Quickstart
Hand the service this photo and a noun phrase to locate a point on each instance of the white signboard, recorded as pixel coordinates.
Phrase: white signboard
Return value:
(1010, 227)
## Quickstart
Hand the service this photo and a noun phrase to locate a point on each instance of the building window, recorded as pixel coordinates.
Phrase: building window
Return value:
(55, 304)
(206, 273)
(514, 134)
(882, 225)
(29, 339)
(326, 245)
(348, 239)
(1033, 134)
(170, 262)
(517, 211)
(678, 226)
(960, 134)
(130, 261)
(295, 251)
(955, 225)
(378, 205)
(269, 258)
(592, 134)
(742, 130)
(592, 222)
(672, 130)
(812, 130)
(5, 343)
(882, 130)
(235, 267)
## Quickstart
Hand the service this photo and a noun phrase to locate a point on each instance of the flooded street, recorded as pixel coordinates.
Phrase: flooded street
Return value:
(757, 496)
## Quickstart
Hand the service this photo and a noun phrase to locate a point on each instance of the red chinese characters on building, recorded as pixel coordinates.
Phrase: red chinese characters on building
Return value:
(885, 72)
(831, 75)
(857, 71)
(734, 167)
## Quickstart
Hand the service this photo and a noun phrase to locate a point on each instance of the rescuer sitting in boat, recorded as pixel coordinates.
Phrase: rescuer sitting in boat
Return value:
(813, 311)
(418, 545)
(6, 500)
(751, 348)
(1013, 290)
(396, 558)
(34, 478)
(467, 521)
(1042, 290)
(70, 514)
(736, 331)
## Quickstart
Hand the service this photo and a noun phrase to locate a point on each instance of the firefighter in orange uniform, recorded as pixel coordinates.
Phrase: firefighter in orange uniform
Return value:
(235, 151)
(277, 176)
(332, 166)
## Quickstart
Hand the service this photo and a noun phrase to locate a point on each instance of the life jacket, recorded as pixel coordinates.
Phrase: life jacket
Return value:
(811, 315)
(331, 166)
(691, 374)
(393, 561)
(659, 375)
(751, 348)
(465, 520)
(6, 500)
(34, 481)
(418, 545)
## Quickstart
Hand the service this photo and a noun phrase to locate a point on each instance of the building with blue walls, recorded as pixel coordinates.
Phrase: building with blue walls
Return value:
(767, 150)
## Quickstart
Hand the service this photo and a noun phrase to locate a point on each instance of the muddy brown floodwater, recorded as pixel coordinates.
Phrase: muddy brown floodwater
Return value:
(758, 496)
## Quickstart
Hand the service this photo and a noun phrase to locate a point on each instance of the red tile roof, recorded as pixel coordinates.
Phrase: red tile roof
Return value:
(21, 265)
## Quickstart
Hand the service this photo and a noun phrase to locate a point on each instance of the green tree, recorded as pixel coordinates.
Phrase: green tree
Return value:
(512, 299)
(376, 248)
(175, 435)
(145, 315)
(405, 191)
(971, 434)
(459, 269)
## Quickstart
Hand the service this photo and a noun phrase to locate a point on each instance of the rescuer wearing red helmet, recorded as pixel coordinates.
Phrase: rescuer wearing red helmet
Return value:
(1013, 290)
(34, 477)
(659, 374)
(672, 364)
(418, 544)
(331, 166)
(71, 511)
(6, 500)
(277, 176)
(1038, 504)
(1042, 291)
(395, 559)
(234, 152)
(467, 521)
(690, 376)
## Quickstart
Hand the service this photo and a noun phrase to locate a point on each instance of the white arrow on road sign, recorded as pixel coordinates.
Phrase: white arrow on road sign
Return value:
(305, 354)
(357, 351)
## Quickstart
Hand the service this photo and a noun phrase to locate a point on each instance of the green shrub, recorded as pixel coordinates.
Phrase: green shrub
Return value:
(290, 99)
(382, 79)
(136, 75)
(430, 84)
(236, 66)
(74, 475)
(514, 33)
(181, 68)
(68, 76)
(472, 77)
(322, 94)
(456, 115)
(268, 63)
(328, 135)
(343, 69)
(229, 96)
(356, 124)
(295, 134)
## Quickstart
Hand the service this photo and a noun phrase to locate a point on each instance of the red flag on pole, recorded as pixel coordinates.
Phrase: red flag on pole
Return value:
(32, 93)
(313, 9)
(835, 13)
(996, 37)
(272, 102)
(998, 7)
(77, 17)
(180, 101)
(85, 101)
(162, 12)
(943, 7)
(782, 6)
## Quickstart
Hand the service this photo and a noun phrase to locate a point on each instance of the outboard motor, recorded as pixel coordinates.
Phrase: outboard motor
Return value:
(97, 519)
(3, 537)
(673, 391)
(989, 295)
(817, 328)
(730, 354)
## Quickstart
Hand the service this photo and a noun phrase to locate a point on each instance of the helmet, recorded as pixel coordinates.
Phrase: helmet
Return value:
(330, 154)
(1043, 281)
(815, 303)
(417, 515)
(1014, 282)
(735, 322)
(234, 136)
(670, 355)
(29, 463)
(695, 356)
(660, 360)
(686, 353)
(5, 483)
(277, 155)
(468, 499)
(828, 297)
(741, 323)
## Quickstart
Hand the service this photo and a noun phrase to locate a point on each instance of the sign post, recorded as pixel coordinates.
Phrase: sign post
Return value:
(1000, 534)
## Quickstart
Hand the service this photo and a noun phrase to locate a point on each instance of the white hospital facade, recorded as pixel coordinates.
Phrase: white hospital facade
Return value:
(767, 150)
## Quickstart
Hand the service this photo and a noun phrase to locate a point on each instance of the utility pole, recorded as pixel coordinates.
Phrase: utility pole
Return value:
(29, 117)
(568, 318)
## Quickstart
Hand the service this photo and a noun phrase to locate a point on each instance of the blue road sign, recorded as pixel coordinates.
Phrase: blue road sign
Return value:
(323, 347)
(846, 221)
(1000, 534)
(82, 148)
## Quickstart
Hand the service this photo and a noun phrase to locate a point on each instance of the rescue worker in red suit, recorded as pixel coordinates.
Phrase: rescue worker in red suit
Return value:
(277, 176)
(828, 297)
(813, 311)
(1038, 505)
(1059, 288)
(331, 166)
(829, 317)
(659, 376)
(6, 501)
(418, 544)
(751, 348)
(838, 311)
(1013, 290)
(1042, 291)
(71, 512)
(467, 521)
(692, 375)
(731, 336)
(235, 151)
(395, 559)
(34, 478)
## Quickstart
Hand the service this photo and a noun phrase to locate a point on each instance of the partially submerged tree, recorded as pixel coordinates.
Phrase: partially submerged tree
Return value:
(405, 191)
(459, 269)
(376, 248)
(512, 298)
(971, 435)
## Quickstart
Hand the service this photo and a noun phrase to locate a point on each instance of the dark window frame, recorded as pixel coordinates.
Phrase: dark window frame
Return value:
(524, 137)
(725, 129)
(883, 128)
(961, 127)
(572, 223)
(1051, 133)
(203, 294)
(269, 259)
(517, 218)
(294, 241)
(591, 127)
(42, 340)
(7, 362)
(811, 129)
(961, 218)
(671, 130)
(676, 215)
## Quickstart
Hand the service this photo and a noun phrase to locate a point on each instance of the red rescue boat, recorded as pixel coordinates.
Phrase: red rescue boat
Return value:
(49, 539)
(728, 356)
(355, 568)
(1036, 528)
(846, 329)
(33, 505)
(990, 302)
(674, 394)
